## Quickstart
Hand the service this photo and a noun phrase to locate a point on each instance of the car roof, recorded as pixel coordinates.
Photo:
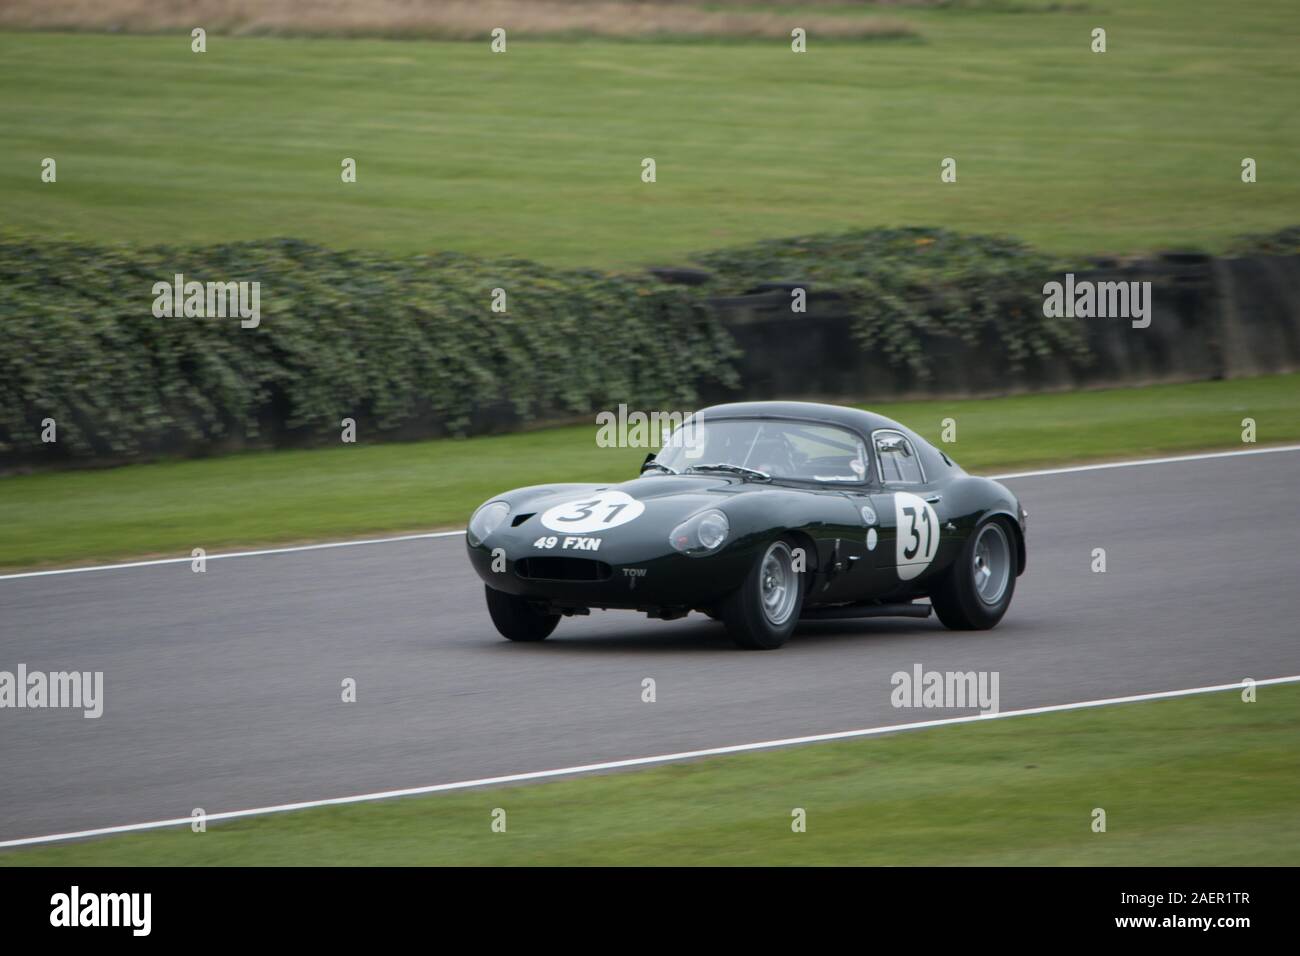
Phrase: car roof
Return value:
(937, 464)
(858, 419)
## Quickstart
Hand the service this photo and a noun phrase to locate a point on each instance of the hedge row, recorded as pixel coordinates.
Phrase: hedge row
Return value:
(411, 347)
(396, 343)
(1284, 242)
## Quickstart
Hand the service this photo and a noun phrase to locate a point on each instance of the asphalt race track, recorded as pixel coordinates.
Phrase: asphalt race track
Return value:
(222, 689)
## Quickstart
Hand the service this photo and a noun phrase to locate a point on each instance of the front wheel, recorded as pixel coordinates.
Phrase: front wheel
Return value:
(976, 591)
(762, 613)
(517, 619)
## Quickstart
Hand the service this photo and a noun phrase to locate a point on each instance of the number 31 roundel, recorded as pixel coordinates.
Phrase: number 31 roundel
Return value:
(598, 511)
(918, 535)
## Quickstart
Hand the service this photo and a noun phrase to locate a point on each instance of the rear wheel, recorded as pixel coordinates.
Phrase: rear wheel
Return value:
(517, 619)
(762, 613)
(976, 591)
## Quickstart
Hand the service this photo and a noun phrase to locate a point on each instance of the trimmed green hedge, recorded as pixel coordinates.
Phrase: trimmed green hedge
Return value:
(404, 345)
(409, 347)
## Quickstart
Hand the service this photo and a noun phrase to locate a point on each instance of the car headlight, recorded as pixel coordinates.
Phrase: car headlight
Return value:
(701, 534)
(486, 520)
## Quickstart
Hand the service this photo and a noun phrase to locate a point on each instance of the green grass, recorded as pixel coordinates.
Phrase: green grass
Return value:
(537, 152)
(268, 497)
(1206, 780)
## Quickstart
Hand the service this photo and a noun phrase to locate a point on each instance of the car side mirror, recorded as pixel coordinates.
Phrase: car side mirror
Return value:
(648, 458)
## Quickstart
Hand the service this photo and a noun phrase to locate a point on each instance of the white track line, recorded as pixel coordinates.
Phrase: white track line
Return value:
(1148, 461)
(233, 554)
(446, 534)
(633, 762)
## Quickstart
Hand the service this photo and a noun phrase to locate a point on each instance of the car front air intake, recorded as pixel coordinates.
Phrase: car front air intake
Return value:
(563, 569)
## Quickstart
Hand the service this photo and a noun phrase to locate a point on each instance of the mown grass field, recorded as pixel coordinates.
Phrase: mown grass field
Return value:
(1199, 781)
(280, 496)
(537, 152)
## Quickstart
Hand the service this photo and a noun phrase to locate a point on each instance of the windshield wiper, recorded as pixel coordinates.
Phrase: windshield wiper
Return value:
(733, 469)
(662, 467)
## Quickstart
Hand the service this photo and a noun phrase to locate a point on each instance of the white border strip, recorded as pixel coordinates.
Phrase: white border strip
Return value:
(633, 762)
(232, 554)
(446, 534)
(1204, 456)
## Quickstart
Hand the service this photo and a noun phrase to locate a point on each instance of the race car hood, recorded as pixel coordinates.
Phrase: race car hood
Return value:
(631, 521)
(666, 497)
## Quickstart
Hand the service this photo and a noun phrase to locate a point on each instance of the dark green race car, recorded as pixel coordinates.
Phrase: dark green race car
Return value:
(759, 514)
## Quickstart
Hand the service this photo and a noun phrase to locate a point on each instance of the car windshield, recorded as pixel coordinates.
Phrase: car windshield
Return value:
(779, 449)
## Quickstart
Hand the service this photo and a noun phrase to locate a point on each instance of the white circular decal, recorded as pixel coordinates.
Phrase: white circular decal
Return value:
(918, 534)
(871, 539)
(598, 511)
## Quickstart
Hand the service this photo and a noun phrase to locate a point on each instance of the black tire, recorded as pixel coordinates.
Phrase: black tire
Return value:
(759, 625)
(961, 600)
(517, 619)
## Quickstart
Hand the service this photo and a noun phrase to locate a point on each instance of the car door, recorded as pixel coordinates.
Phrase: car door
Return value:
(910, 510)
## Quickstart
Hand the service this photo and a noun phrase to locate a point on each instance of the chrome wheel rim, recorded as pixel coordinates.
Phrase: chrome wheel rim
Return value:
(777, 586)
(991, 565)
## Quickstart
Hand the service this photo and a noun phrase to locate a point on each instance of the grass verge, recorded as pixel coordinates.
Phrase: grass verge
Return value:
(277, 497)
(1020, 791)
(537, 152)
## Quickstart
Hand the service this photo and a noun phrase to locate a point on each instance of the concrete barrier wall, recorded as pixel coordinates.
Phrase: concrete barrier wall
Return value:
(1210, 319)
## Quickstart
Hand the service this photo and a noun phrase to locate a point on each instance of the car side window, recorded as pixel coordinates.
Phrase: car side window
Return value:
(898, 461)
